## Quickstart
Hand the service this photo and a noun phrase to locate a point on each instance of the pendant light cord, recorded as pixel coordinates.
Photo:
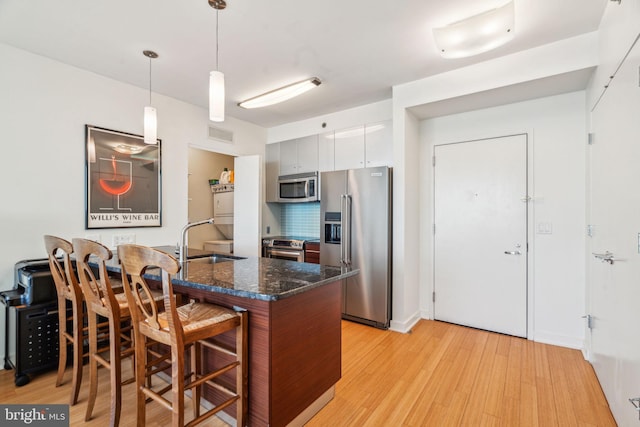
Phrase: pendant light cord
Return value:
(149, 80)
(217, 38)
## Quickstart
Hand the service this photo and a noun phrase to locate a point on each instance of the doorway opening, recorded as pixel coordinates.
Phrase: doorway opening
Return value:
(203, 166)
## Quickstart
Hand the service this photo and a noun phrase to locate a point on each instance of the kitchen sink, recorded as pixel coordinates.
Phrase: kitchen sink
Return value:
(213, 259)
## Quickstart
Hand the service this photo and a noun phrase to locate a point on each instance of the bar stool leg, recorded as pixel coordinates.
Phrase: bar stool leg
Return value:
(77, 350)
(115, 371)
(141, 370)
(93, 365)
(196, 370)
(62, 343)
(242, 373)
(177, 388)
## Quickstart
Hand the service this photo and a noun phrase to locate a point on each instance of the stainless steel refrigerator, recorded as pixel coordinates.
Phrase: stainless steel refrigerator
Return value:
(355, 228)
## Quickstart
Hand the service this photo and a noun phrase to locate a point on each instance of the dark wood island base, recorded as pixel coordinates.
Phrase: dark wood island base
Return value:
(294, 352)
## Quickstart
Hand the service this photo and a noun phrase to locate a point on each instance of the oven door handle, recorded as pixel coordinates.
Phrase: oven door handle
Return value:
(289, 254)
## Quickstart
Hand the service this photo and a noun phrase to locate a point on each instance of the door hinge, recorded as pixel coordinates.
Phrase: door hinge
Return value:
(589, 320)
(635, 401)
(433, 161)
(590, 230)
(433, 296)
(591, 138)
(434, 229)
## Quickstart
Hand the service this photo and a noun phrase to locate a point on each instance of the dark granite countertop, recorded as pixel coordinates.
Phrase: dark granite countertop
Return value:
(256, 278)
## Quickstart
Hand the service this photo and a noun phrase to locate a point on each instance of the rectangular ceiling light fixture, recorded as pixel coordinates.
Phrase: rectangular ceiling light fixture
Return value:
(476, 34)
(282, 94)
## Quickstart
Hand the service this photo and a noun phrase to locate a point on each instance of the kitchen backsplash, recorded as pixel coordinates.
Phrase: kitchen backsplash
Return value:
(300, 219)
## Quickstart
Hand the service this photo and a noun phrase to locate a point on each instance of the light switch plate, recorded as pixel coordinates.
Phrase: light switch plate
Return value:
(123, 239)
(544, 228)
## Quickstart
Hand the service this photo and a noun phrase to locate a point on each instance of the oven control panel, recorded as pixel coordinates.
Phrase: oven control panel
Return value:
(283, 243)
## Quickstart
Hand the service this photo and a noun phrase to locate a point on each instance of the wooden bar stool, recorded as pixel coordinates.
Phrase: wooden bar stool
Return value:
(103, 301)
(68, 289)
(181, 327)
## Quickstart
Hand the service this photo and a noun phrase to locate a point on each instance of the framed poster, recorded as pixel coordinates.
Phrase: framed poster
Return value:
(122, 180)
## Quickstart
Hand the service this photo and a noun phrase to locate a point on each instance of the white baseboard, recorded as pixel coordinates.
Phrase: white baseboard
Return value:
(559, 340)
(405, 326)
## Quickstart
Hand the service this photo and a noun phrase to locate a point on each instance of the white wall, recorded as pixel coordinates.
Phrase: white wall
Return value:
(44, 107)
(566, 56)
(557, 131)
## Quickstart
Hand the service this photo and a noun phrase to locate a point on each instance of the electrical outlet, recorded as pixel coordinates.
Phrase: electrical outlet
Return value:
(122, 239)
(94, 237)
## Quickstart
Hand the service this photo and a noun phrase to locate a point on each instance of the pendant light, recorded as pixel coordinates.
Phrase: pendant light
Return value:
(216, 78)
(150, 117)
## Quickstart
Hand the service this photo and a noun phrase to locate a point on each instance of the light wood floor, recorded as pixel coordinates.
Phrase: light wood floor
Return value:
(448, 375)
(439, 375)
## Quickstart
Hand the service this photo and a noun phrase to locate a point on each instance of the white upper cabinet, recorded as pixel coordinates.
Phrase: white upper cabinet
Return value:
(299, 155)
(349, 148)
(326, 152)
(367, 146)
(378, 139)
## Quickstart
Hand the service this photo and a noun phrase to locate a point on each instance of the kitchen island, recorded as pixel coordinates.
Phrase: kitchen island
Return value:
(294, 327)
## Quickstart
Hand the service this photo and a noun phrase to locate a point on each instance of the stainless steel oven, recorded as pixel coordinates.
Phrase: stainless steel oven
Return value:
(291, 249)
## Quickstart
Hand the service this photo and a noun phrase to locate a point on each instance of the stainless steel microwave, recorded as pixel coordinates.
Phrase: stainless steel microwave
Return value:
(302, 187)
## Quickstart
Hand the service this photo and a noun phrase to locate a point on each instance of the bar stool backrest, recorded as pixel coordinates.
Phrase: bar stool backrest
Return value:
(97, 290)
(135, 260)
(63, 276)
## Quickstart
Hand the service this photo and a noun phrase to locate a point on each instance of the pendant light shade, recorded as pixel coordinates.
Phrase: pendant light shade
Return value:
(216, 96)
(216, 78)
(150, 115)
(150, 125)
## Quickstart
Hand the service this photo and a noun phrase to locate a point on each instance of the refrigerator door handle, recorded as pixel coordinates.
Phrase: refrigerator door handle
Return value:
(343, 203)
(347, 230)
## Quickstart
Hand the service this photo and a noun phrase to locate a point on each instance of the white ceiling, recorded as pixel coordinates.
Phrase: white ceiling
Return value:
(358, 48)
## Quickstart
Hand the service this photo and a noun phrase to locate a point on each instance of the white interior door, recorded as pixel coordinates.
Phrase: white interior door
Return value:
(480, 265)
(614, 216)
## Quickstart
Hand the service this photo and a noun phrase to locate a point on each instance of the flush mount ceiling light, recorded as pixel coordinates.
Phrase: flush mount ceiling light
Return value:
(216, 78)
(476, 34)
(150, 117)
(281, 94)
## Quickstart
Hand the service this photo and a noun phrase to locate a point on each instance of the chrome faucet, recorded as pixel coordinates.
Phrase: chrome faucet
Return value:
(183, 238)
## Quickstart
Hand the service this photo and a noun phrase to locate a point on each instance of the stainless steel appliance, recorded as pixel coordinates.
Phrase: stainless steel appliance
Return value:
(302, 187)
(284, 247)
(355, 216)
